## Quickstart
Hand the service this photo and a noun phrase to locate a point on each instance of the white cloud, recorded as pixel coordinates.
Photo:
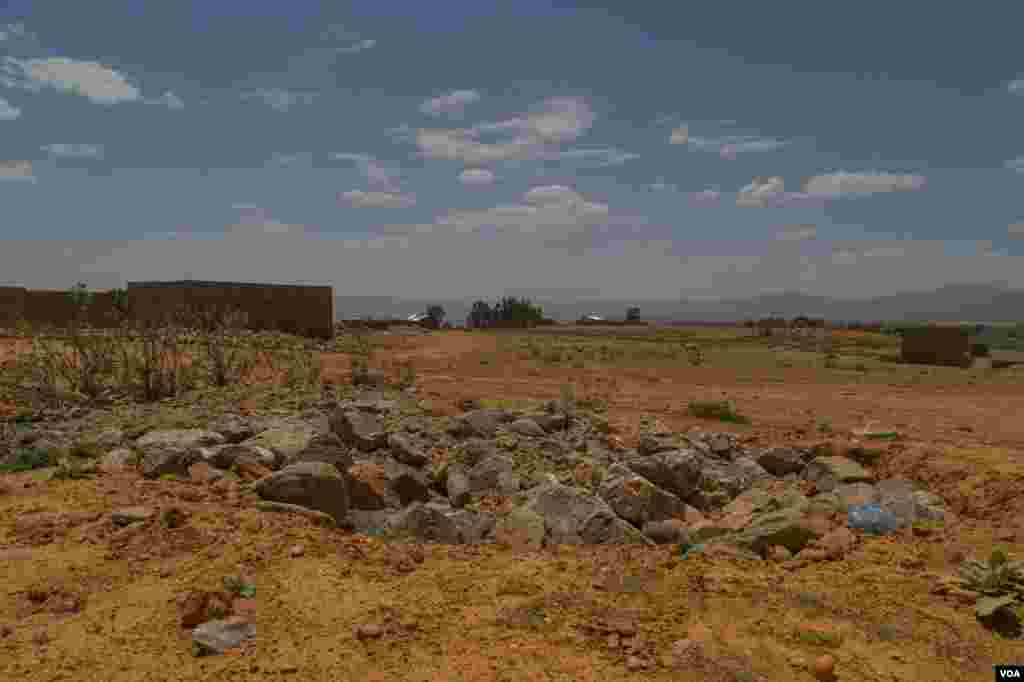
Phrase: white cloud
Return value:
(75, 150)
(730, 146)
(1016, 86)
(373, 170)
(453, 102)
(842, 183)
(169, 100)
(797, 233)
(761, 192)
(16, 171)
(360, 199)
(706, 196)
(280, 100)
(7, 111)
(1016, 230)
(359, 47)
(598, 157)
(555, 121)
(476, 176)
(680, 135)
(730, 150)
(92, 80)
(1016, 164)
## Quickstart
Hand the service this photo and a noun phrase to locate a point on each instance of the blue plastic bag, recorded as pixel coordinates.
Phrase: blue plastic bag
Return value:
(871, 518)
(687, 550)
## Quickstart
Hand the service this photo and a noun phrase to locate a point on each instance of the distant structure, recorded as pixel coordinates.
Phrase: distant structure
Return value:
(933, 345)
(295, 309)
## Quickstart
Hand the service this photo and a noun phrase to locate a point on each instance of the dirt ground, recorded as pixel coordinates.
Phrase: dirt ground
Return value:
(83, 602)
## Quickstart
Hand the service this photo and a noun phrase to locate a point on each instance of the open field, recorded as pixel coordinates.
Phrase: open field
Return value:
(108, 601)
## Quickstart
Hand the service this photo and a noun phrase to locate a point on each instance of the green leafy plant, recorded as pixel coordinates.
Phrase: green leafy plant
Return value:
(239, 587)
(998, 576)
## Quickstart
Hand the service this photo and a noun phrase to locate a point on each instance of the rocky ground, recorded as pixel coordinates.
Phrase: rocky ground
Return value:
(372, 533)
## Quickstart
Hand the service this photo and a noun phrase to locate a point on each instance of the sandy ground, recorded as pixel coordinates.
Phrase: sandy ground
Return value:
(82, 602)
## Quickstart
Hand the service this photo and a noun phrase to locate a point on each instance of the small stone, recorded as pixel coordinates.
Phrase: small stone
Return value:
(297, 550)
(244, 607)
(825, 668)
(778, 554)
(40, 637)
(124, 517)
(217, 636)
(635, 663)
(6, 630)
(369, 631)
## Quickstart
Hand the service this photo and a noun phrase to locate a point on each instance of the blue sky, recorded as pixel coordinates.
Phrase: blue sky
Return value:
(465, 149)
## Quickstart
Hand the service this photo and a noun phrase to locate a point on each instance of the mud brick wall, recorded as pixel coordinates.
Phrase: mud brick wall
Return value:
(936, 346)
(12, 306)
(296, 309)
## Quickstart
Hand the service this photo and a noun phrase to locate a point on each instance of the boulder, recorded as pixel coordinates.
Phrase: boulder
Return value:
(314, 485)
(636, 499)
(361, 430)
(172, 451)
(829, 472)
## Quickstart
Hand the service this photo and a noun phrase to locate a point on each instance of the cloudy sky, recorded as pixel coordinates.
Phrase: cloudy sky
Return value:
(453, 149)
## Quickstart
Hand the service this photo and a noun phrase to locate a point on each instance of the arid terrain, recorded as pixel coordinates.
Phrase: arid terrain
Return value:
(87, 599)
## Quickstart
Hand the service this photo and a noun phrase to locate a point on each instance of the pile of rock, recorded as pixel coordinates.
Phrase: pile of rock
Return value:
(547, 478)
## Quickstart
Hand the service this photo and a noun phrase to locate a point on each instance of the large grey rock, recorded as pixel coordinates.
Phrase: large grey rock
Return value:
(325, 447)
(457, 485)
(427, 522)
(235, 429)
(404, 450)
(636, 499)
(120, 457)
(172, 451)
(652, 444)
(227, 455)
(217, 636)
(473, 527)
(667, 532)
(573, 516)
(550, 422)
(285, 443)
(315, 485)
(486, 476)
(526, 427)
(721, 481)
(108, 439)
(829, 472)
(359, 429)
(677, 471)
(482, 423)
(368, 377)
(781, 461)
(407, 484)
(521, 529)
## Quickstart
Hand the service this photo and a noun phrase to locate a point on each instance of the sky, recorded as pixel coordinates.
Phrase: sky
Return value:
(465, 149)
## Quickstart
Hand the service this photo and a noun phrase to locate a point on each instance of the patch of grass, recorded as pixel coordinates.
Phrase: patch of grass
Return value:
(720, 410)
(815, 637)
(235, 585)
(27, 459)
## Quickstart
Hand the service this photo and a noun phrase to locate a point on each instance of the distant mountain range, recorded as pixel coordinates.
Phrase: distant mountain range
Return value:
(951, 303)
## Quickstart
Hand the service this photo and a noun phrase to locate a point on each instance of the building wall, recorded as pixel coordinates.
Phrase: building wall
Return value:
(936, 346)
(12, 306)
(306, 310)
(295, 309)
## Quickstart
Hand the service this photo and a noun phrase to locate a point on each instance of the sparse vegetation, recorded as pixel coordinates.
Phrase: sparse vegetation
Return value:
(720, 410)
